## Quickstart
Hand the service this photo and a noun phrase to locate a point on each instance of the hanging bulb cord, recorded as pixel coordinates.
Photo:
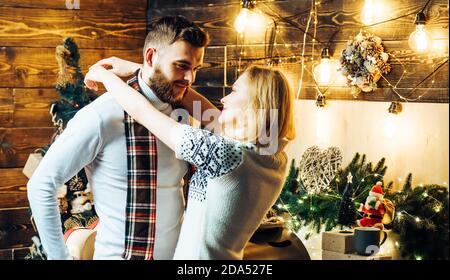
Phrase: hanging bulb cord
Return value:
(328, 44)
(268, 50)
(288, 20)
(425, 6)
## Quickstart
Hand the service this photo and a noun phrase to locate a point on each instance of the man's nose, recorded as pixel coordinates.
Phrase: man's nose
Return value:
(189, 76)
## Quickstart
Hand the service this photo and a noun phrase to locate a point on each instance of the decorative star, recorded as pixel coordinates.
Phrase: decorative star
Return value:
(349, 178)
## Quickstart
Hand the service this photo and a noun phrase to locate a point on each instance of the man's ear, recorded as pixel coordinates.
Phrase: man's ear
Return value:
(150, 55)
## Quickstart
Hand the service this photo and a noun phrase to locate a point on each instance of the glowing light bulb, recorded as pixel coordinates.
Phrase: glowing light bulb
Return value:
(325, 73)
(241, 21)
(250, 21)
(372, 12)
(368, 13)
(420, 40)
(437, 209)
(418, 219)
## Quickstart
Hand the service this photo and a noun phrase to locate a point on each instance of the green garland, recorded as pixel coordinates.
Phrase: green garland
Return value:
(422, 224)
(324, 208)
(422, 221)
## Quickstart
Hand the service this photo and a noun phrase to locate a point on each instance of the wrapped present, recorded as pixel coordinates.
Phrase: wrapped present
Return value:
(330, 255)
(338, 241)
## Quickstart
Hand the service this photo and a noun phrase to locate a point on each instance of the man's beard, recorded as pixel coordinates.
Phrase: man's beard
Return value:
(163, 89)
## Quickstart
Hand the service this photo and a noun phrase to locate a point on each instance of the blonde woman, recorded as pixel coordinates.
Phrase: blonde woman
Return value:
(239, 172)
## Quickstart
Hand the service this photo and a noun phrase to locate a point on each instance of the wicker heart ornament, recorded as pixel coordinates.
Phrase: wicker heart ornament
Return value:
(318, 168)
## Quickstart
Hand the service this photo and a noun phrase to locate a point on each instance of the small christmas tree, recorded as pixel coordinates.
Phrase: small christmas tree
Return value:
(347, 210)
(70, 83)
(291, 182)
(74, 96)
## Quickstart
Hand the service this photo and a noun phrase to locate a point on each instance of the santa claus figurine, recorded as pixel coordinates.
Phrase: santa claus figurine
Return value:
(373, 208)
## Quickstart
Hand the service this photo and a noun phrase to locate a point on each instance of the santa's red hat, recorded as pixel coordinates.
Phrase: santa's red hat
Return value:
(377, 190)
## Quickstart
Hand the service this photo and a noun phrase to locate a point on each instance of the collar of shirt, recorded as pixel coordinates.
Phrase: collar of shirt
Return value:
(151, 96)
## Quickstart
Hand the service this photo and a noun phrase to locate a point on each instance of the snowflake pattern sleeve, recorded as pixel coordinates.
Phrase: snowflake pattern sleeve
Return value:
(212, 154)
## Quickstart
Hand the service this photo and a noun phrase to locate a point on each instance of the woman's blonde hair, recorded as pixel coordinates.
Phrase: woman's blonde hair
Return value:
(271, 91)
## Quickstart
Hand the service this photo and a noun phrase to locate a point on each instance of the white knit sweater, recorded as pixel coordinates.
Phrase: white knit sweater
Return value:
(229, 195)
(95, 139)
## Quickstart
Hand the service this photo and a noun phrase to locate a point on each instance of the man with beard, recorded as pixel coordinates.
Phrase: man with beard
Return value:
(136, 179)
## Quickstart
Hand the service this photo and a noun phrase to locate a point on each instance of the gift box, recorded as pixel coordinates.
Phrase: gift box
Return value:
(338, 241)
(330, 255)
(32, 163)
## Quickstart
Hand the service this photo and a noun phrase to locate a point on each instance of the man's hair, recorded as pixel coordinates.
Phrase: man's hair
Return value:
(167, 30)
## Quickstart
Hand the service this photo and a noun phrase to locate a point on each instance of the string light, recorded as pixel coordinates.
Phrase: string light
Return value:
(325, 72)
(250, 20)
(303, 50)
(241, 21)
(321, 101)
(420, 40)
(406, 99)
(437, 208)
(313, 20)
(395, 108)
(372, 11)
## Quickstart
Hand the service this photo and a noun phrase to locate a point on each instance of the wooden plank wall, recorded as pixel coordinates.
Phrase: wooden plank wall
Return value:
(29, 32)
(341, 17)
